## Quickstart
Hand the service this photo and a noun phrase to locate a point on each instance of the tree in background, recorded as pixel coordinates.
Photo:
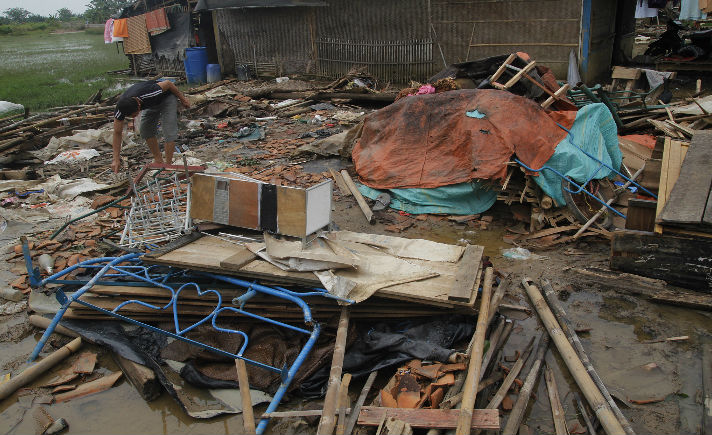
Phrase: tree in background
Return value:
(18, 15)
(98, 11)
(65, 14)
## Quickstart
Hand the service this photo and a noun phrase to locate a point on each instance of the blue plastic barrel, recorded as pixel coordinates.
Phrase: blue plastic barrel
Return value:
(196, 61)
(214, 75)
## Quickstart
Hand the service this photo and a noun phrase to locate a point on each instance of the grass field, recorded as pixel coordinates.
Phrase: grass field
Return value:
(42, 70)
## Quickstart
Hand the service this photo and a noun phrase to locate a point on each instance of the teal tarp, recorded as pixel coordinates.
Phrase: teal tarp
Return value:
(462, 198)
(594, 131)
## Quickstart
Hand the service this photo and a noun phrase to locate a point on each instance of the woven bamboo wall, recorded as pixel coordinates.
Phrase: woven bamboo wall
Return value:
(400, 40)
(391, 38)
(472, 29)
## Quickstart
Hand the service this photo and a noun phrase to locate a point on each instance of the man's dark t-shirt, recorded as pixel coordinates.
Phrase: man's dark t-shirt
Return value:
(148, 92)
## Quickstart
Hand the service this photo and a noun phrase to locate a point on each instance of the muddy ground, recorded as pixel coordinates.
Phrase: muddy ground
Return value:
(619, 325)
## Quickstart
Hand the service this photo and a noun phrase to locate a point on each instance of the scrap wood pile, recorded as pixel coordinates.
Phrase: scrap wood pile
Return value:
(33, 132)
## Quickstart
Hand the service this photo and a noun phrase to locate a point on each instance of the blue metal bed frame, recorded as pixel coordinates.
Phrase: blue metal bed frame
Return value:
(130, 267)
(582, 186)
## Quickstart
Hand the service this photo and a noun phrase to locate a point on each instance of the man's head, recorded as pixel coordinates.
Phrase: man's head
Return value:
(129, 106)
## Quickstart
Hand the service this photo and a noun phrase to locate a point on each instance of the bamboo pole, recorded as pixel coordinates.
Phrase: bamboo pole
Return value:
(327, 421)
(464, 420)
(353, 417)
(493, 343)
(593, 395)
(497, 298)
(489, 360)
(343, 399)
(359, 198)
(570, 333)
(248, 416)
(515, 417)
(34, 371)
(509, 380)
(584, 414)
(53, 119)
(557, 411)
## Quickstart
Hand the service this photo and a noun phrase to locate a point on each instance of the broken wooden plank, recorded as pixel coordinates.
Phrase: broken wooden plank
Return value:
(680, 261)
(359, 198)
(687, 200)
(557, 411)
(465, 283)
(95, 386)
(141, 377)
(248, 416)
(487, 419)
(343, 188)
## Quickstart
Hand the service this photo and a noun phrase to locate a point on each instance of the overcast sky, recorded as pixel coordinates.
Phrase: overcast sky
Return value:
(45, 7)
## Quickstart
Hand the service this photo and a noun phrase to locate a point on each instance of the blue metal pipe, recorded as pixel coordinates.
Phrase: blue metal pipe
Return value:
(65, 305)
(303, 305)
(262, 426)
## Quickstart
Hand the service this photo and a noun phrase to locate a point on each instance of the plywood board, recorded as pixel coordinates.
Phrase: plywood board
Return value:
(687, 200)
(432, 291)
(318, 206)
(673, 156)
(244, 204)
(202, 197)
(291, 211)
(464, 283)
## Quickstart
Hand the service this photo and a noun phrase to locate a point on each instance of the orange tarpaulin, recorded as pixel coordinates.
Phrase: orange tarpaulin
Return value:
(429, 140)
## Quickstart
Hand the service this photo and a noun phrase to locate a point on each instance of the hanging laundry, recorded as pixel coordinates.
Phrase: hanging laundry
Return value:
(690, 10)
(120, 28)
(137, 42)
(643, 10)
(108, 30)
(706, 6)
(157, 22)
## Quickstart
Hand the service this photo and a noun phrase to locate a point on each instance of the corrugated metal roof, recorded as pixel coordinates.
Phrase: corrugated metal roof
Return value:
(209, 5)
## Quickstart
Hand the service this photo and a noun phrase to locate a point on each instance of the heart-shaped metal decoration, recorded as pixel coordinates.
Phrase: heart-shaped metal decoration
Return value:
(200, 292)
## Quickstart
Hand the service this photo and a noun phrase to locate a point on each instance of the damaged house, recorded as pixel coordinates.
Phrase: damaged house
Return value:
(397, 41)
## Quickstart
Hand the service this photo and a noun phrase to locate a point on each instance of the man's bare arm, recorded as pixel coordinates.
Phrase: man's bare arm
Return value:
(116, 145)
(169, 86)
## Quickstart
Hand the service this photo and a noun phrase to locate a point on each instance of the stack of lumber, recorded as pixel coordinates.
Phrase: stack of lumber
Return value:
(678, 250)
(455, 286)
(191, 307)
(687, 206)
(450, 288)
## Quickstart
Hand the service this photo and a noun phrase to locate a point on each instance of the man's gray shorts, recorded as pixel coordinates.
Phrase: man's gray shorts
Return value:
(166, 113)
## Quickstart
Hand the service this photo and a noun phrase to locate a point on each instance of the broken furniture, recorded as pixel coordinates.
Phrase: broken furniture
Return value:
(174, 282)
(240, 201)
(559, 94)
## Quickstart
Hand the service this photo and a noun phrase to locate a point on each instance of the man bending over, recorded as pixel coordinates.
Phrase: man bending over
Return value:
(157, 101)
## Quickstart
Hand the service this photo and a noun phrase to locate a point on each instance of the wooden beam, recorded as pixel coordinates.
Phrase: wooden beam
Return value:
(248, 416)
(487, 419)
(141, 377)
(359, 198)
(328, 421)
